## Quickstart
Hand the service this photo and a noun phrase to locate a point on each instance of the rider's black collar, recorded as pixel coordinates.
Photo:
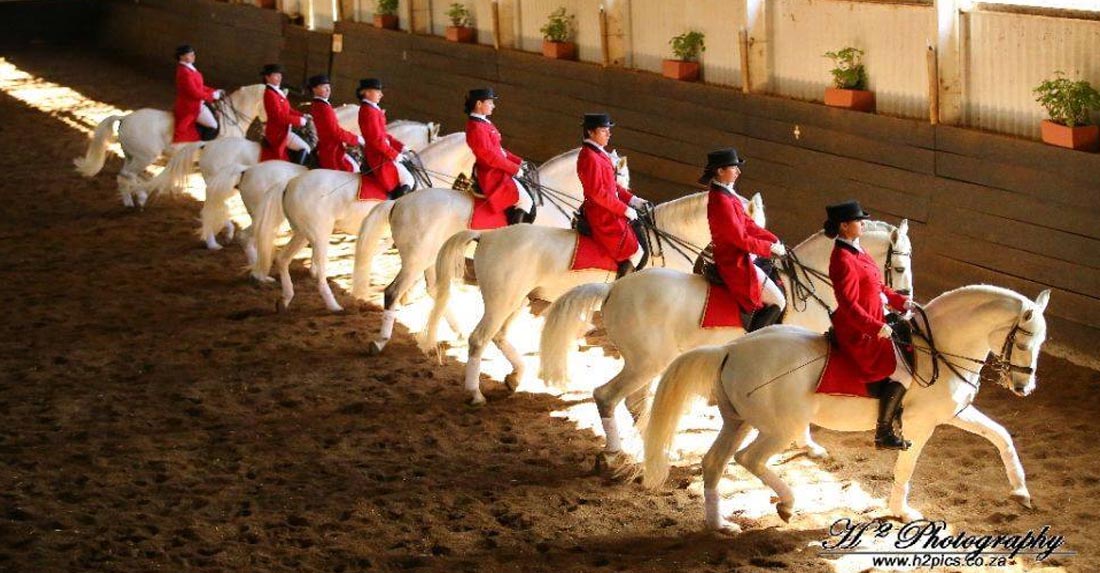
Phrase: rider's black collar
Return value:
(845, 245)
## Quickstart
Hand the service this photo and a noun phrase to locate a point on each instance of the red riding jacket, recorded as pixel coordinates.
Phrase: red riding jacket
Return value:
(605, 203)
(190, 93)
(331, 138)
(494, 165)
(280, 118)
(380, 148)
(735, 236)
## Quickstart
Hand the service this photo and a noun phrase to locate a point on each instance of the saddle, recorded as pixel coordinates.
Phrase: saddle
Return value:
(468, 185)
(581, 225)
(903, 341)
(708, 268)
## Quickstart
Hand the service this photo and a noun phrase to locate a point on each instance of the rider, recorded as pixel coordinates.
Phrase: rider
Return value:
(280, 117)
(382, 151)
(608, 207)
(331, 138)
(738, 241)
(496, 168)
(191, 93)
(859, 327)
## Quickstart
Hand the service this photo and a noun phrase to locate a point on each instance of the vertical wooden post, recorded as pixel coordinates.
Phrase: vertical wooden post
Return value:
(409, 11)
(494, 7)
(605, 53)
(933, 86)
(743, 42)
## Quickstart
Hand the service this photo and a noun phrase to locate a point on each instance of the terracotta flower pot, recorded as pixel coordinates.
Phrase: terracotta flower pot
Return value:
(1082, 137)
(680, 70)
(387, 21)
(269, 4)
(461, 34)
(858, 100)
(559, 50)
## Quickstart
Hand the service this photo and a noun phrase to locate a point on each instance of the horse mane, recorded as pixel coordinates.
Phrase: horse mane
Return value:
(574, 151)
(984, 289)
(682, 208)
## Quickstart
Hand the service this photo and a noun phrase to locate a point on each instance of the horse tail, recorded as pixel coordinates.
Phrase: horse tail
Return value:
(450, 263)
(269, 216)
(567, 319)
(215, 210)
(105, 134)
(171, 178)
(693, 374)
(374, 227)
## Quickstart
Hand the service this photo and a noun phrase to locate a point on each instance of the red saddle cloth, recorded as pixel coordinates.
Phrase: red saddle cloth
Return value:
(720, 310)
(841, 377)
(588, 255)
(370, 190)
(484, 217)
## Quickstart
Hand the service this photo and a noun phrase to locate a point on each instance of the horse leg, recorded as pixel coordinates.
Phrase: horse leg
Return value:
(495, 316)
(127, 181)
(903, 470)
(230, 229)
(755, 459)
(282, 261)
(975, 422)
(813, 449)
(404, 280)
(714, 466)
(634, 377)
(448, 313)
(320, 263)
(513, 379)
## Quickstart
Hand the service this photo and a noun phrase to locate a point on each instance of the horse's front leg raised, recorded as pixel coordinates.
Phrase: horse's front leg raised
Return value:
(513, 379)
(974, 421)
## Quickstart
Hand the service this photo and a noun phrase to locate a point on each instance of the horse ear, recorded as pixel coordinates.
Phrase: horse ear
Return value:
(1042, 300)
(757, 200)
(901, 231)
(622, 162)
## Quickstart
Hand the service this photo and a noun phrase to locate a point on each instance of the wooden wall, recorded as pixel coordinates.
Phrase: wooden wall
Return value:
(38, 22)
(983, 208)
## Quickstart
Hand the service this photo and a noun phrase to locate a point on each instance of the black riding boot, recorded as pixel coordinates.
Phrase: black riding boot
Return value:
(887, 433)
(297, 155)
(766, 316)
(625, 268)
(399, 191)
(514, 215)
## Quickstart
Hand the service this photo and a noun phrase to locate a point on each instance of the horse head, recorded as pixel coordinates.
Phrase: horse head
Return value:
(249, 101)
(891, 245)
(433, 130)
(1022, 342)
(622, 170)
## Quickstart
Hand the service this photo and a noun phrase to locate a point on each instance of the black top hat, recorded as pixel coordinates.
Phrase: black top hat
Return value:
(481, 94)
(717, 159)
(272, 69)
(318, 80)
(369, 84)
(183, 49)
(594, 120)
(846, 211)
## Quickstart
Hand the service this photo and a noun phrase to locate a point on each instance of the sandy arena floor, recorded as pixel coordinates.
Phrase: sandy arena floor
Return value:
(159, 415)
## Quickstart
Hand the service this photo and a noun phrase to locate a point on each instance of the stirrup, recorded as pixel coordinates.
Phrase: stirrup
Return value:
(887, 439)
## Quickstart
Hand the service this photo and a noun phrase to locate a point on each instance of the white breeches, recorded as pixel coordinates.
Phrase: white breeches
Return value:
(770, 293)
(404, 176)
(293, 141)
(354, 165)
(636, 258)
(525, 202)
(206, 118)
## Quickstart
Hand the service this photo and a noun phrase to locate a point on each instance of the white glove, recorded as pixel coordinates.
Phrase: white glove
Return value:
(885, 332)
(218, 94)
(778, 249)
(638, 202)
(304, 121)
(631, 214)
(361, 141)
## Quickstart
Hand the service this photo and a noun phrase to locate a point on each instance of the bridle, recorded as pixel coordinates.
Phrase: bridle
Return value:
(801, 277)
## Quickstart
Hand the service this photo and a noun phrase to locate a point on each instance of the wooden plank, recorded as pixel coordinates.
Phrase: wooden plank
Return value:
(1018, 206)
(1021, 235)
(1076, 167)
(1016, 178)
(1017, 263)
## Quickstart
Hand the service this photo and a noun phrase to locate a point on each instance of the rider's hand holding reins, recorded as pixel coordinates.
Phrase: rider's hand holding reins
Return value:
(631, 214)
(779, 250)
(885, 332)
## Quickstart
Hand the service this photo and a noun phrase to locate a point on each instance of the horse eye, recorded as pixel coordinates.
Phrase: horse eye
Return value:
(899, 269)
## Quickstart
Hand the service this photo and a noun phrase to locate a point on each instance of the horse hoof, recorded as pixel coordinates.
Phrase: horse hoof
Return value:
(725, 527)
(511, 381)
(817, 452)
(375, 348)
(1022, 498)
(280, 305)
(215, 246)
(477, 401)
(784, 511)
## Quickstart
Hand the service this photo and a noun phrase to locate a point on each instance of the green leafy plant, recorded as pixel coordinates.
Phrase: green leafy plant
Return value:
(459, 15)
(559, 26)
(688, 46)
(386, 7)
(848, 72)
(1068, 102)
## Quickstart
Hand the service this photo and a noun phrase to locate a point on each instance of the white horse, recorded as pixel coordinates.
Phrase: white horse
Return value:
(223, 161)
(147, 133)
(321, 201)
(420, 223)
(630, 307)
(525, 260)
(767, 380)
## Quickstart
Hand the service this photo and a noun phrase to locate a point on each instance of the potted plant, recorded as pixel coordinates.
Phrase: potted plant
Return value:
(686, 47)
(460, 30)
(385, 14)
(1068, 104)
(850, 80)
(556, 34)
